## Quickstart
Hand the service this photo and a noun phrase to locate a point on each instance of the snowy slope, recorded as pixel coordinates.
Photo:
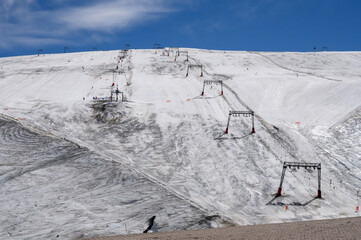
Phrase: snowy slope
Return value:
(54, 189)
(169, 135)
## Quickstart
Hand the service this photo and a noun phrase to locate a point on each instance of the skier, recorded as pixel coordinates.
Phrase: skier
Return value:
(150, 224)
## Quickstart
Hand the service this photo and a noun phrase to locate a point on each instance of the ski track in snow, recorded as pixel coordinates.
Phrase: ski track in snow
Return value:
(171, 140)
(295, 71)
(85, 195)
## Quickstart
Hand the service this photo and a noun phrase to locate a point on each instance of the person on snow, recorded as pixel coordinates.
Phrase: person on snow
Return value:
(151, 225)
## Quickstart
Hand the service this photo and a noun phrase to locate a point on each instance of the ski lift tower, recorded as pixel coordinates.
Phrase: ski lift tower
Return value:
(127, 46)
(239, 114)
(192, 66)
(181, 53)
(156, 45)
(298, 165)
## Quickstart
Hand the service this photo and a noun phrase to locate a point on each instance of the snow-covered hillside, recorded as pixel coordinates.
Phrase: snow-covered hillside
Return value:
(74, 166)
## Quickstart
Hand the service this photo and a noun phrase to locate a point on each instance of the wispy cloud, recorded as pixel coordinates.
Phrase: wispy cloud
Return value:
(30, 41)
(248, 10)
(28, 22)
(112, 15)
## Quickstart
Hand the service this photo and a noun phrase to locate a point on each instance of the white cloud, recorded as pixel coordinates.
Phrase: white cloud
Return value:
(31, 41)
(11, 10)
(112, 15)
(26, 21)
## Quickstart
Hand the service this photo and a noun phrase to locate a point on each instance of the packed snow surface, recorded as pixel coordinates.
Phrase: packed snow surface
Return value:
(73, 164)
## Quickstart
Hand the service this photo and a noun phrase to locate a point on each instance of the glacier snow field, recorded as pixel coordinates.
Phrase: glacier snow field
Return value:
(74, 164)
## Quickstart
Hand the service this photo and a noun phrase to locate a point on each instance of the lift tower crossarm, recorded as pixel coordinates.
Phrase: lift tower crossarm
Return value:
(298, 164)
(240, 112)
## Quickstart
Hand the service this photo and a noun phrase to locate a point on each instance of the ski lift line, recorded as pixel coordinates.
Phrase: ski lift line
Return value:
(259, 118)
(268, 126)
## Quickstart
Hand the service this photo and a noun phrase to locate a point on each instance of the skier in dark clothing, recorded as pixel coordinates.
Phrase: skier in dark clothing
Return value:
(150, 223)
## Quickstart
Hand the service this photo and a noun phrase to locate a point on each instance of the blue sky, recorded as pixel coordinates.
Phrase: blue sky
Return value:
(257, 25)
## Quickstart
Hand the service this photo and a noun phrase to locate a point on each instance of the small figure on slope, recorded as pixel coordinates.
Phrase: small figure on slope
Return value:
(151, 225)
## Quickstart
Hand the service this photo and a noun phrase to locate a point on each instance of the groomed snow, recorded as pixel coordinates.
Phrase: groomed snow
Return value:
(167, 135)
